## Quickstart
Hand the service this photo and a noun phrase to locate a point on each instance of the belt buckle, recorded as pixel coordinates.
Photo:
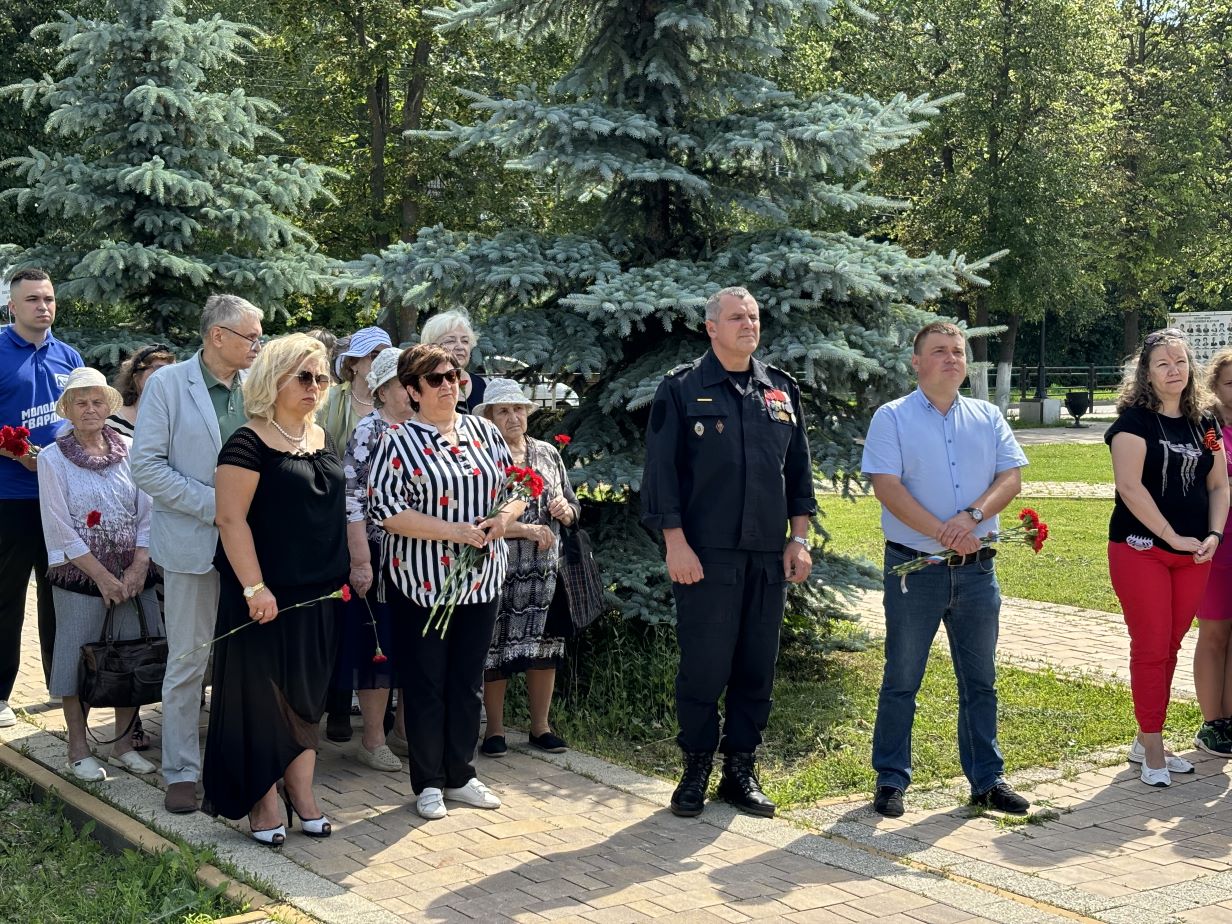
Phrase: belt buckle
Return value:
(958, 561)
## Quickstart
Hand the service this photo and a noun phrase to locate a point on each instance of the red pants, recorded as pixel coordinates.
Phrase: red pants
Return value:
(1159, 593)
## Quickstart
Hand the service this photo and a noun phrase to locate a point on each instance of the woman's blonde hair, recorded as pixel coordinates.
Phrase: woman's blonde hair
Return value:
(1214, 371)
(1136, 390)
(277, 359)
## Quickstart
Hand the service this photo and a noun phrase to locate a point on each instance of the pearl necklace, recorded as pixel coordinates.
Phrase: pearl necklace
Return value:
(297, 441)
(360, 401)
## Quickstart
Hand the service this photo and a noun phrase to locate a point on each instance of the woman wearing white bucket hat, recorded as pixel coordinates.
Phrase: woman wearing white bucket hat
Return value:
(524, 640)
(96, 525)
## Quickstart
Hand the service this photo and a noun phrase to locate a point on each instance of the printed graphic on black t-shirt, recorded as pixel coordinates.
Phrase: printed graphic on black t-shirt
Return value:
(1173, 472)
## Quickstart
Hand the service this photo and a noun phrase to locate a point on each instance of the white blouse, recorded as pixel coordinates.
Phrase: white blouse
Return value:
(68, 494)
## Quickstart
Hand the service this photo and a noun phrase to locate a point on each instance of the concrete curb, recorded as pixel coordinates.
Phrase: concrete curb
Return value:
(134, 807)
(118, 832)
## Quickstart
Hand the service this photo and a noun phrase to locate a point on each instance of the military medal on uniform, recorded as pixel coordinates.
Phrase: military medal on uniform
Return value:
(778, 405)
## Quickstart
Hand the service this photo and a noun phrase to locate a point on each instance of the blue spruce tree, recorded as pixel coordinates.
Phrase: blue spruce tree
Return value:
(695, 172)
(159, 195)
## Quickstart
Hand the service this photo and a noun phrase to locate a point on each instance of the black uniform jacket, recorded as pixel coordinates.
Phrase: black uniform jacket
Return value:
(728, 468)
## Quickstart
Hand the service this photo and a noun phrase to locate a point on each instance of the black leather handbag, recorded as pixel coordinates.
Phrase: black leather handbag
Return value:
(122, 673)
(580, 574)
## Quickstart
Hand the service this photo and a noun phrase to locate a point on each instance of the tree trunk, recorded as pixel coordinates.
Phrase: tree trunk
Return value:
(1131, 334)
(1005, 363)
(378, 127)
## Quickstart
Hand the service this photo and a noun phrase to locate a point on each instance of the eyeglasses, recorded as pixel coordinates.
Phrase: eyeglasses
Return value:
(255, 342)
(1158, 336)
(450, 341)
(437, 379)
(307, 379)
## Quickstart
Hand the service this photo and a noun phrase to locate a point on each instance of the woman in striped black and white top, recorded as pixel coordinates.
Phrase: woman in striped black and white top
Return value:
(432, 487)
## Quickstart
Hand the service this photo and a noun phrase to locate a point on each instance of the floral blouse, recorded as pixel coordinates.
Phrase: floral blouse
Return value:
(356, 463)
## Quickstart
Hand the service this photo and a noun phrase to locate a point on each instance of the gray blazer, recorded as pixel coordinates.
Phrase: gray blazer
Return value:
(175, 451)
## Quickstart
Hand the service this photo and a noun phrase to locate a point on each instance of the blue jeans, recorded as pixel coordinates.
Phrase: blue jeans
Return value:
(968, 599)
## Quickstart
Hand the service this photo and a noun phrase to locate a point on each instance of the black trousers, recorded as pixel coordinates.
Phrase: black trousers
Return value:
(728, 629)
(442, 680)
(21, 551)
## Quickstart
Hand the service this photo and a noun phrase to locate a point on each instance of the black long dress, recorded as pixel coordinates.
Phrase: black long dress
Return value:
(270, 681)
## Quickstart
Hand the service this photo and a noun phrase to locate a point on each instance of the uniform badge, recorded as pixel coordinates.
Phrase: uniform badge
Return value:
(719, 427)
(699, 428)
(778, 406)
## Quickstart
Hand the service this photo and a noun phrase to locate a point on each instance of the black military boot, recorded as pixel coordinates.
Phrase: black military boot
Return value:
(690, 796)
(739, 786)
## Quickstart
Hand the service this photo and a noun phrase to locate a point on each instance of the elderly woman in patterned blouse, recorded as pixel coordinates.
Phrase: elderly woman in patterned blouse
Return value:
(97, 528)
(434, 482)
(523, 639)
(363, 663)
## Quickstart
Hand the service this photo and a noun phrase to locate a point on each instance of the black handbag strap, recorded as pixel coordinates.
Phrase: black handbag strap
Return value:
(108, 635)
(127, 728)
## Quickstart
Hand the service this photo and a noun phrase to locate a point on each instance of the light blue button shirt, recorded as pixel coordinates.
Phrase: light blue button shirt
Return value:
(946, 461)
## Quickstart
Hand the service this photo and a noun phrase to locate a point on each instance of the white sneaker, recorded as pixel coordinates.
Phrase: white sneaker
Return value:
(1174, 764)
(474, 793)
(431, 804)
(1155, 776)
(8, 718)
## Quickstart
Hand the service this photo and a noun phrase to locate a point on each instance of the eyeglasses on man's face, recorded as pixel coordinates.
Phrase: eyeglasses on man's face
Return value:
(255, 342)
(437, 379)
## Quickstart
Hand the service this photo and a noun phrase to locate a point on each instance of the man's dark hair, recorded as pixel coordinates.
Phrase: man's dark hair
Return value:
(936, 327)
(34, 274)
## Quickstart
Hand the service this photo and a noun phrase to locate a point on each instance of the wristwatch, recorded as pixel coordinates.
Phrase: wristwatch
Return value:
(801, 539)
(976, 513)
(250, 592)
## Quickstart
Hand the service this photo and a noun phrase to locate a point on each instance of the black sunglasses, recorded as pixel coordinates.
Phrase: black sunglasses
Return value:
(1158, 336)
(436, 379)
(142, 357)
(307, 379)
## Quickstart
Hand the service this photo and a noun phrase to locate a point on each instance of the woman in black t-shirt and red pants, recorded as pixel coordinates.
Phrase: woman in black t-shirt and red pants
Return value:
(1171, 503)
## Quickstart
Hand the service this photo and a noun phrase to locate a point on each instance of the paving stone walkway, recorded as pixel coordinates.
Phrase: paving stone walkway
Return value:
(579, 839)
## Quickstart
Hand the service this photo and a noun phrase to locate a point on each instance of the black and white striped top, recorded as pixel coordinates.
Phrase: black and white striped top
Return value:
(415, 468)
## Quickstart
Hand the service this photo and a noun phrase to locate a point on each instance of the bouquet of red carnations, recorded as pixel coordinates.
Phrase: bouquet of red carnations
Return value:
(16, 440)
(1029, 529)
(463, 575)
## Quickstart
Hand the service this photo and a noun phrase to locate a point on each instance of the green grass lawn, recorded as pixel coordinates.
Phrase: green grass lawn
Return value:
(1072, 569)
(51, 875)
(820, 734)
(1085, 462)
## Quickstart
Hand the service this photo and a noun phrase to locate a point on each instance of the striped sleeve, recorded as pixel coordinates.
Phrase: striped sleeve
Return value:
(391, 491)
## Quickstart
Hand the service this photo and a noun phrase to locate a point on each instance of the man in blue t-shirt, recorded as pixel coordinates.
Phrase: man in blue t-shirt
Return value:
(33, 368)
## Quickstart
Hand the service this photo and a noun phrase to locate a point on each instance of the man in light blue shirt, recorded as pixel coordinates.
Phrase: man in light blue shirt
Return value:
(942, 466)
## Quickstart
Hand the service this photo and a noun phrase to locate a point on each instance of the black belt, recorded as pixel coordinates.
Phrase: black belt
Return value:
(954, 561)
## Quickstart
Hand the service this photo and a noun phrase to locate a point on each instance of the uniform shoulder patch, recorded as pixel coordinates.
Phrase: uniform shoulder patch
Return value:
(683, 367)
(785, 374)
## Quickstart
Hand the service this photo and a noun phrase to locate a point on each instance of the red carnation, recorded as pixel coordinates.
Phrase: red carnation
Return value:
(93, 518)
(379, 657)
(346, 593)
(563, 439)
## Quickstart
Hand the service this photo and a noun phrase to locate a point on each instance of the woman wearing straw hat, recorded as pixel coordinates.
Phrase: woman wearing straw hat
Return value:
(363, 662)
(523, 639)
(96, 524)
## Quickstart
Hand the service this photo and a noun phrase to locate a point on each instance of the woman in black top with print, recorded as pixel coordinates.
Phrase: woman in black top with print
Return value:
(1171, 504)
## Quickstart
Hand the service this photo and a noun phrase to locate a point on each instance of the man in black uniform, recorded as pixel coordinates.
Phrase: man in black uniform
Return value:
(727, 466)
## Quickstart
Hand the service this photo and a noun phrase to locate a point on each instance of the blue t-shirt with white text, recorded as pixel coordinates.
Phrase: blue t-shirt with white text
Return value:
(31, 381)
